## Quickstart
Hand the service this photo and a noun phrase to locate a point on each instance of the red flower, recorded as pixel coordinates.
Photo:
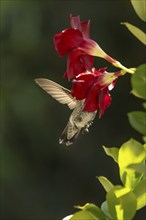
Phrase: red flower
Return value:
(94, 89)
(75, 42)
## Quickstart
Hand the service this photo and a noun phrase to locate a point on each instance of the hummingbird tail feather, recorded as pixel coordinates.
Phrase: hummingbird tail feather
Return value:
(69, 134)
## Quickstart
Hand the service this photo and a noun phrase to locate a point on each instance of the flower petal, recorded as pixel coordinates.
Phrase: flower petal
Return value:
(83, 26)
(90, 86)
(67, 40)
(81, 85)
(88, 61)
(75, 22)
(104, 100)
(90, 47)
(91, 101)
(74, 64)
(100, 71)
(112, 85)
(77, 63)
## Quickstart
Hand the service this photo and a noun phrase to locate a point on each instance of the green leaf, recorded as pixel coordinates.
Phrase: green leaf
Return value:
(131, 152)
(138, 82)
(107, 185)
(104, 208)
(121, 203)
(130, 178)
(140, 8)
(137, 120)
(139, 168)
(139, 34)
(140, 192)
(144, 138)
(88, 211)
(144, 146)
(144, 105)
(83, 215)
(112, 152)
(67, 217)
(131, 156)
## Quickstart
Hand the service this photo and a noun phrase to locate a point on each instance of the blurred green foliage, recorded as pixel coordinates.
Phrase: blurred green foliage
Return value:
(39, 178)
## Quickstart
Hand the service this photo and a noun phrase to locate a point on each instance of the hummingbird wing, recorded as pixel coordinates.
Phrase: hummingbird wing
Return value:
(58, 92)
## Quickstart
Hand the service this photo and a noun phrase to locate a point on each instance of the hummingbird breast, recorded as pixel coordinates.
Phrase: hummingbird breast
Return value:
(80, 118)
(79, 121)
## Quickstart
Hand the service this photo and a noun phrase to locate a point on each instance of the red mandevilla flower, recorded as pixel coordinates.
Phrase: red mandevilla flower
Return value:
(76, 42)
(94, 89)
(70, 42)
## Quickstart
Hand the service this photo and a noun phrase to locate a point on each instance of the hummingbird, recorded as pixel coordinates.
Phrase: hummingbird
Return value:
(79, 120)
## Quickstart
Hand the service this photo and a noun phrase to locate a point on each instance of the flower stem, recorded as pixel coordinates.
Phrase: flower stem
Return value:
(125, 69)
(119, 65)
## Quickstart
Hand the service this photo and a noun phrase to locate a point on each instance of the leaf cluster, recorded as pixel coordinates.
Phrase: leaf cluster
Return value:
(122, 201)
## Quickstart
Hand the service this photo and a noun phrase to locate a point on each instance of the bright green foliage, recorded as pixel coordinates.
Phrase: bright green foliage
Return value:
(138, 82)
(136, 32)
(140, 192)
(137, 120)
(139, 168)
(112, 152)
(105, 209)
(131, 153)
(90, 212)
(121, 201)
(140, 8)
(67, 217)
(107, 185)
(82, 215)
(118, 200)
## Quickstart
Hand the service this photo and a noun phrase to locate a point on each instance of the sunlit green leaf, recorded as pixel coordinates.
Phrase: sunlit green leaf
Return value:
(130, 177)
(139, 168)
(112, 152)
(67, 217)
(131, 152)
(121, 203)
(88, 211)
(131, 156)
(140, 8)
(137, 120)
(138, 82)
(107, 185)
(140, 192)
(104, 208)
(139, 34)
(83, 215)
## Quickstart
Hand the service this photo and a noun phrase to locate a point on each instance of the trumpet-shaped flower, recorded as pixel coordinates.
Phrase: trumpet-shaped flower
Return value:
(74, 42)
(93, 87)
(81, 49)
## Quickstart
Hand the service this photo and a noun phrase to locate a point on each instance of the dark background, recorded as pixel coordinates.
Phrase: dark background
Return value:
(40, 179)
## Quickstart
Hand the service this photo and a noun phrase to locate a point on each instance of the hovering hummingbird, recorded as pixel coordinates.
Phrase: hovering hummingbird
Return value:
(79, 120)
